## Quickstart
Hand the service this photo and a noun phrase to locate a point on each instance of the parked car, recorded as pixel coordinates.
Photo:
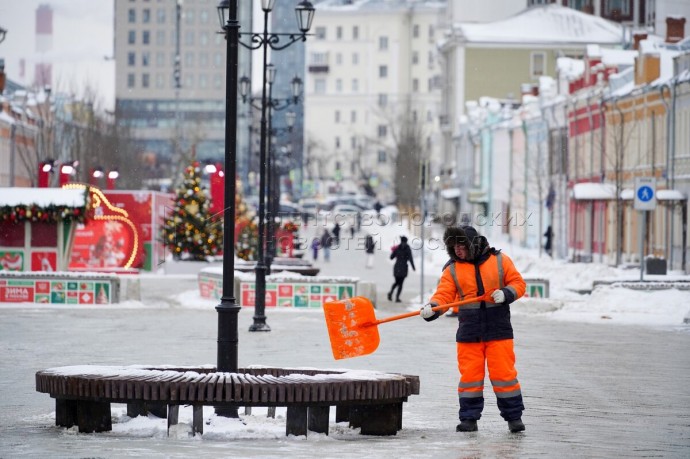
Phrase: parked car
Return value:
(345, 215)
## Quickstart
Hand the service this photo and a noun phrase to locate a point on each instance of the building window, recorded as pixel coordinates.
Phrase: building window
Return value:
(189, 38)
(338, 85)
(338, 58)
(130, 80)
(383, 43)
(217, 81)
(383, 100)
(203, 60)
(353, 117)
(160, 37)
(617, 10)
(203, 16)
(145, 80)
(217, 60)
(160, 59)
(415, 85)
(339, 32)
(203, 38)
(145, 58)
(146, 15)
(415, 57)
(353, 142)
(203, 81)
(337, 116)
(431, 33)
(131, 59)
(146, 37)
(160, 16)
(319, 86)
(586, 6)
(355, 85)
(188, 16)
(189, 59)
(415, 31)
(537, 64)
(337, 142)
(382, 156)
(132, 15)
(160, 81)
(355, 33)
(414, 116)
(383, 71)
(382, 130)
(131, 37)
(355, 58)
(320, 33)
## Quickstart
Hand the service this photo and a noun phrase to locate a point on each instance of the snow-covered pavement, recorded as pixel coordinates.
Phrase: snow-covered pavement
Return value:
(603, 375)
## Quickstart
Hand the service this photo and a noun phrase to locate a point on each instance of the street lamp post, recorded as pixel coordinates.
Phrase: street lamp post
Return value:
(305, 14)
(228, 308)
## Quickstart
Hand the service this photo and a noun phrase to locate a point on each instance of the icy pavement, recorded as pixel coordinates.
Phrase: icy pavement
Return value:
(591, 390)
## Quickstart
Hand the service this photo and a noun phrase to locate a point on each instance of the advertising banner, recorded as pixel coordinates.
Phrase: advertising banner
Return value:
(298, 295)
(60, 291)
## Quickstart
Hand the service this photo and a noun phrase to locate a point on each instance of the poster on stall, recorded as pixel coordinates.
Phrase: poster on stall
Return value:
(298, 295)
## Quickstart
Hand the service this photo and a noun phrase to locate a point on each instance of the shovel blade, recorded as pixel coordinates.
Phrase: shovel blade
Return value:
(351, 327)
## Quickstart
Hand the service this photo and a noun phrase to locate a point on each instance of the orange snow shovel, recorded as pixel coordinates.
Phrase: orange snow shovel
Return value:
(352, 324)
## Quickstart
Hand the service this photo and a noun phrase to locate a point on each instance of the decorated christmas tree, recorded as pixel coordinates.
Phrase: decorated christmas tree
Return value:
(246, 229)
(189, 232)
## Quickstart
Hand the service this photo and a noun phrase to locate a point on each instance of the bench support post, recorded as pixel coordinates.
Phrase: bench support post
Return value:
(318, 419)
(65, 412)
(173, 416)
(197, 419)
(296, 423)
(381, 419)
(342, 413)
(93, 417)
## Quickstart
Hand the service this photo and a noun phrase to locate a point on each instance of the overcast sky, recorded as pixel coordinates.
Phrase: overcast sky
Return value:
(82, 38)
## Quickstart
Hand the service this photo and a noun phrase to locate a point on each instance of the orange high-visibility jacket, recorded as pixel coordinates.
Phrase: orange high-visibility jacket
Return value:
(481, 321)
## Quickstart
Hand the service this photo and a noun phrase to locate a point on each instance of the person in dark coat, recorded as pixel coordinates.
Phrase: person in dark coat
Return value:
(402, 254)
(336, 233)
(549, 236)
(369, 247)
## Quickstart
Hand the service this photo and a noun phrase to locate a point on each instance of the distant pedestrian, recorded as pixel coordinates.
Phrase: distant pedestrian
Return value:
(336, 233)
(326, 242)
(315, 245)
(549, 236)
(378, 207)
(402, 254)
(352, 232)
(369, 248)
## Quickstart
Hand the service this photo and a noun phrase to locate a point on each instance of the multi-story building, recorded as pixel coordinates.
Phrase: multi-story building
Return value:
(371, 67)
(175, 111)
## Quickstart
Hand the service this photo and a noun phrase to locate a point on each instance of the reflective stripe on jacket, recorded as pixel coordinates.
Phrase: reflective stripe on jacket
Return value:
(484, 321)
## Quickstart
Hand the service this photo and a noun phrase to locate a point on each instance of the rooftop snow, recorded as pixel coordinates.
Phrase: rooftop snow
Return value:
(545, 24)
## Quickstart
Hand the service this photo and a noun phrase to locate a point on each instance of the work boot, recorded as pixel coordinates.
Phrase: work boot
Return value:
(467, 425)
(397, 300)
(516, 425)
(390, 296)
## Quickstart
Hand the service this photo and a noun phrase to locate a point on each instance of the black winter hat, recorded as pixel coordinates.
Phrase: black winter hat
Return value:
(466, 235)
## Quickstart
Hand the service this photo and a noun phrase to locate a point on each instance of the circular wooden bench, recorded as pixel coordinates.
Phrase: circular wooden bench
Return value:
(368, 400)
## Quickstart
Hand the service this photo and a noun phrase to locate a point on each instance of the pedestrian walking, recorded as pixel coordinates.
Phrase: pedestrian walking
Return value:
(326, 242)
(485, 335)
(402, 255)
(315, 245)
(369, 247)
(549, 236)
(336, 233)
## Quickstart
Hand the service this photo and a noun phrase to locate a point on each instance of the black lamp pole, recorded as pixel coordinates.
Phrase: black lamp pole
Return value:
(305, 14)
(228, 308)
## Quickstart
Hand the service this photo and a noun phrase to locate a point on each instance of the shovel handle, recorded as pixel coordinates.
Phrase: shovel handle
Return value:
(435, 308)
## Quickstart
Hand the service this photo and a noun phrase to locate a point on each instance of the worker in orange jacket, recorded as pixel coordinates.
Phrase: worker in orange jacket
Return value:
(485, 335)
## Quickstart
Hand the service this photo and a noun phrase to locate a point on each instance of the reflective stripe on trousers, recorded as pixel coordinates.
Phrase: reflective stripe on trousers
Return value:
(499, 357)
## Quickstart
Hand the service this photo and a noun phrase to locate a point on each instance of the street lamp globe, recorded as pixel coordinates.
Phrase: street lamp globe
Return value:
(305, 14)
(267, 5)
(271, 73)
(223, 9)
(290, 119)
(296, 88)
(245, 85)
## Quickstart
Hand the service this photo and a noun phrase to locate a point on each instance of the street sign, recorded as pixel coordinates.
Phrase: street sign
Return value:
(645, 193)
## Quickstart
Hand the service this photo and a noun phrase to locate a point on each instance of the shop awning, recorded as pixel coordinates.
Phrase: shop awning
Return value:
(594, 191)
(451, 193)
